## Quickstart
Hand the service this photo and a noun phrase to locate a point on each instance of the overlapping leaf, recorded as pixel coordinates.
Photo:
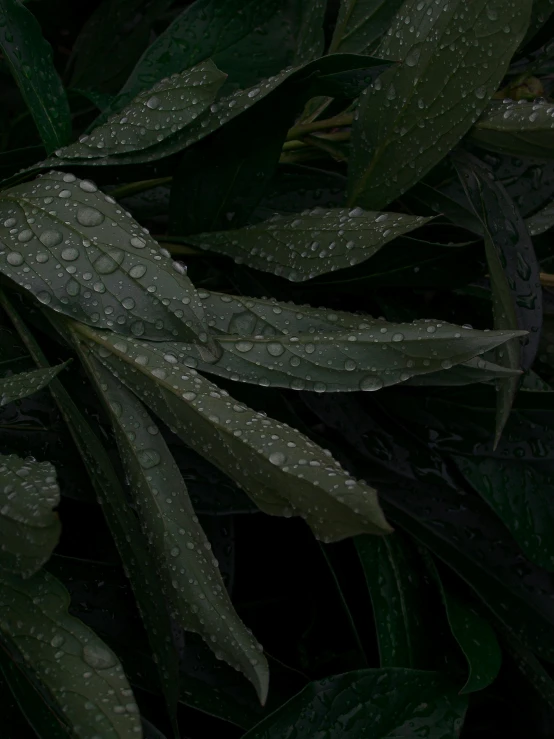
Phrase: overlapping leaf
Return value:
(29, 57)
(82, 676)
(311, 243)
(190, 573)
(283, 472)
(23, 384)
(79, 253)
(29, 527)
(361, 23)
(522, 129)
(454, 57)
(541, 221)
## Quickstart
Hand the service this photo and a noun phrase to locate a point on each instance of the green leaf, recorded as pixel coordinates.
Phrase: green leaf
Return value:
(81, 675)
(181, 550)
(361, 23)
(532, 670)
(387, 703)
(23, 384)
(466, 373)
(152, 116)
(454, 57)
(103, 61)
(542, 221)
(396, 589)
(304, 246)
(542, 10)
(29, 57)
(474, 634)
(114, 275)
(282, 471)
(514, 270)
(522, 129)
(30, 529)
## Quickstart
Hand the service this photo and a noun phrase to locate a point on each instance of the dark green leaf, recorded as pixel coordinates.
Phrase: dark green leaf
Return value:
(455, 56)
(188, 570)
(23, 384)
(466, 373)
(532, 669)
(283, 472)
(542, 10)
(29, 57)
(114, 274)
(541, 221)
(69, 661)
(387, 703)
(397, 592)
(475, 636)
(29, 527)
(522, 129)
(304, 246)
(361, 23)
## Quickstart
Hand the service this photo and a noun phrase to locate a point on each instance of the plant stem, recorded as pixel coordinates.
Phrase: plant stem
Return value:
(133, 188)
(547, 280)
(303, 129)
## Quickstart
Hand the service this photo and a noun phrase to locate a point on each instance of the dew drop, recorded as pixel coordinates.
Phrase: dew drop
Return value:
(148, 458)
(98, 657)
(370, 383)
(51, 238)
(88, 216)
(277, 458)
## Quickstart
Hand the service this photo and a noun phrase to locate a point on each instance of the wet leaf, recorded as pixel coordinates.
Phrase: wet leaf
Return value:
(114, 275)
(415, 113)
(522, 129)
(361, 23)
(281, 470)
(181, 550)
(514, 270)
(532, 669)
(29, 57)
(69, 661)
(541, 221)
(466, 373)
(23, 384)
(474, 634)
(30, 529)
(152, 116)
(309, 244)
(396, 589)
(542, 10)
(402, 703)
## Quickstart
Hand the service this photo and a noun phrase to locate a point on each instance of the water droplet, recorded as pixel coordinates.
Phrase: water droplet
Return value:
(277, 458)
(138, 270)
(51, 238)
(70, 254)
(153, 102)
(108, 263)
(370, 383)
(87, 186)
(243, 346)
(88, 216)
(148, 458)
(275, 349)
(25, 235)
(137, 242)
(14, 258)
(98, 657)
(398, 337)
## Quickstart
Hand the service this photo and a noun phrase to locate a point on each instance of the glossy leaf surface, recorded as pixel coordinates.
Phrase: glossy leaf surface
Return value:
(23, 384)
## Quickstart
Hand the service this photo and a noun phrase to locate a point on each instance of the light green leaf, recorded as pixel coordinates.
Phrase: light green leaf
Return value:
(382, 704)
(76, 251)
(282, 471)
(152, 116)
(454, 58)
(29, 527)
(542, 221)
(361, 23)
(301, 247)
(23, 384)
(29, 57)
(525, 128)
(82, 676)
(181, 550)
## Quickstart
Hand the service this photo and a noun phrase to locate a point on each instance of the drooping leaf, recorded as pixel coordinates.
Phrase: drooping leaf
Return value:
(182, 552)
(152, 116)
(309, 244)
(541, 221)
(114, 275)
(23, 384)
(474, 634)
(388, 703)
(454, 57)
(522, 129)
(514, 270)
(29, 57)
(283, 472)
(29, 527)
(396, 589)
(69, 661)
(361, 23)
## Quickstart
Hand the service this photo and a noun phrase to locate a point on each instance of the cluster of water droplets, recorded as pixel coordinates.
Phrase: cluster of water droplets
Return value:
(14, 387)
(520, 115)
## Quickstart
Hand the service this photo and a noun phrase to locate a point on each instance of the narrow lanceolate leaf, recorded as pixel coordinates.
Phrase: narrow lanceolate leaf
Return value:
(522, 129)
(29, 57)
(361, 23)
(282, 471)
(454, 58)
(23, 384)
(181, 550)
(541, 221)
(76, 251)
(82, 677)
(474, 634)
(466, 373)
(396, 590)
(311, 243)
(152, 116)
(514, 271)
(390, 703)
(29, 527)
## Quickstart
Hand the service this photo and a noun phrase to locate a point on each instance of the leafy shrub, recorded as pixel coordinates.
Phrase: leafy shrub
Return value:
(227, 227)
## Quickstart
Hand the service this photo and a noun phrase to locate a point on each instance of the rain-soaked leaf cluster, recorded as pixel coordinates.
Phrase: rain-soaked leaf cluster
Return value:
(277, 369)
